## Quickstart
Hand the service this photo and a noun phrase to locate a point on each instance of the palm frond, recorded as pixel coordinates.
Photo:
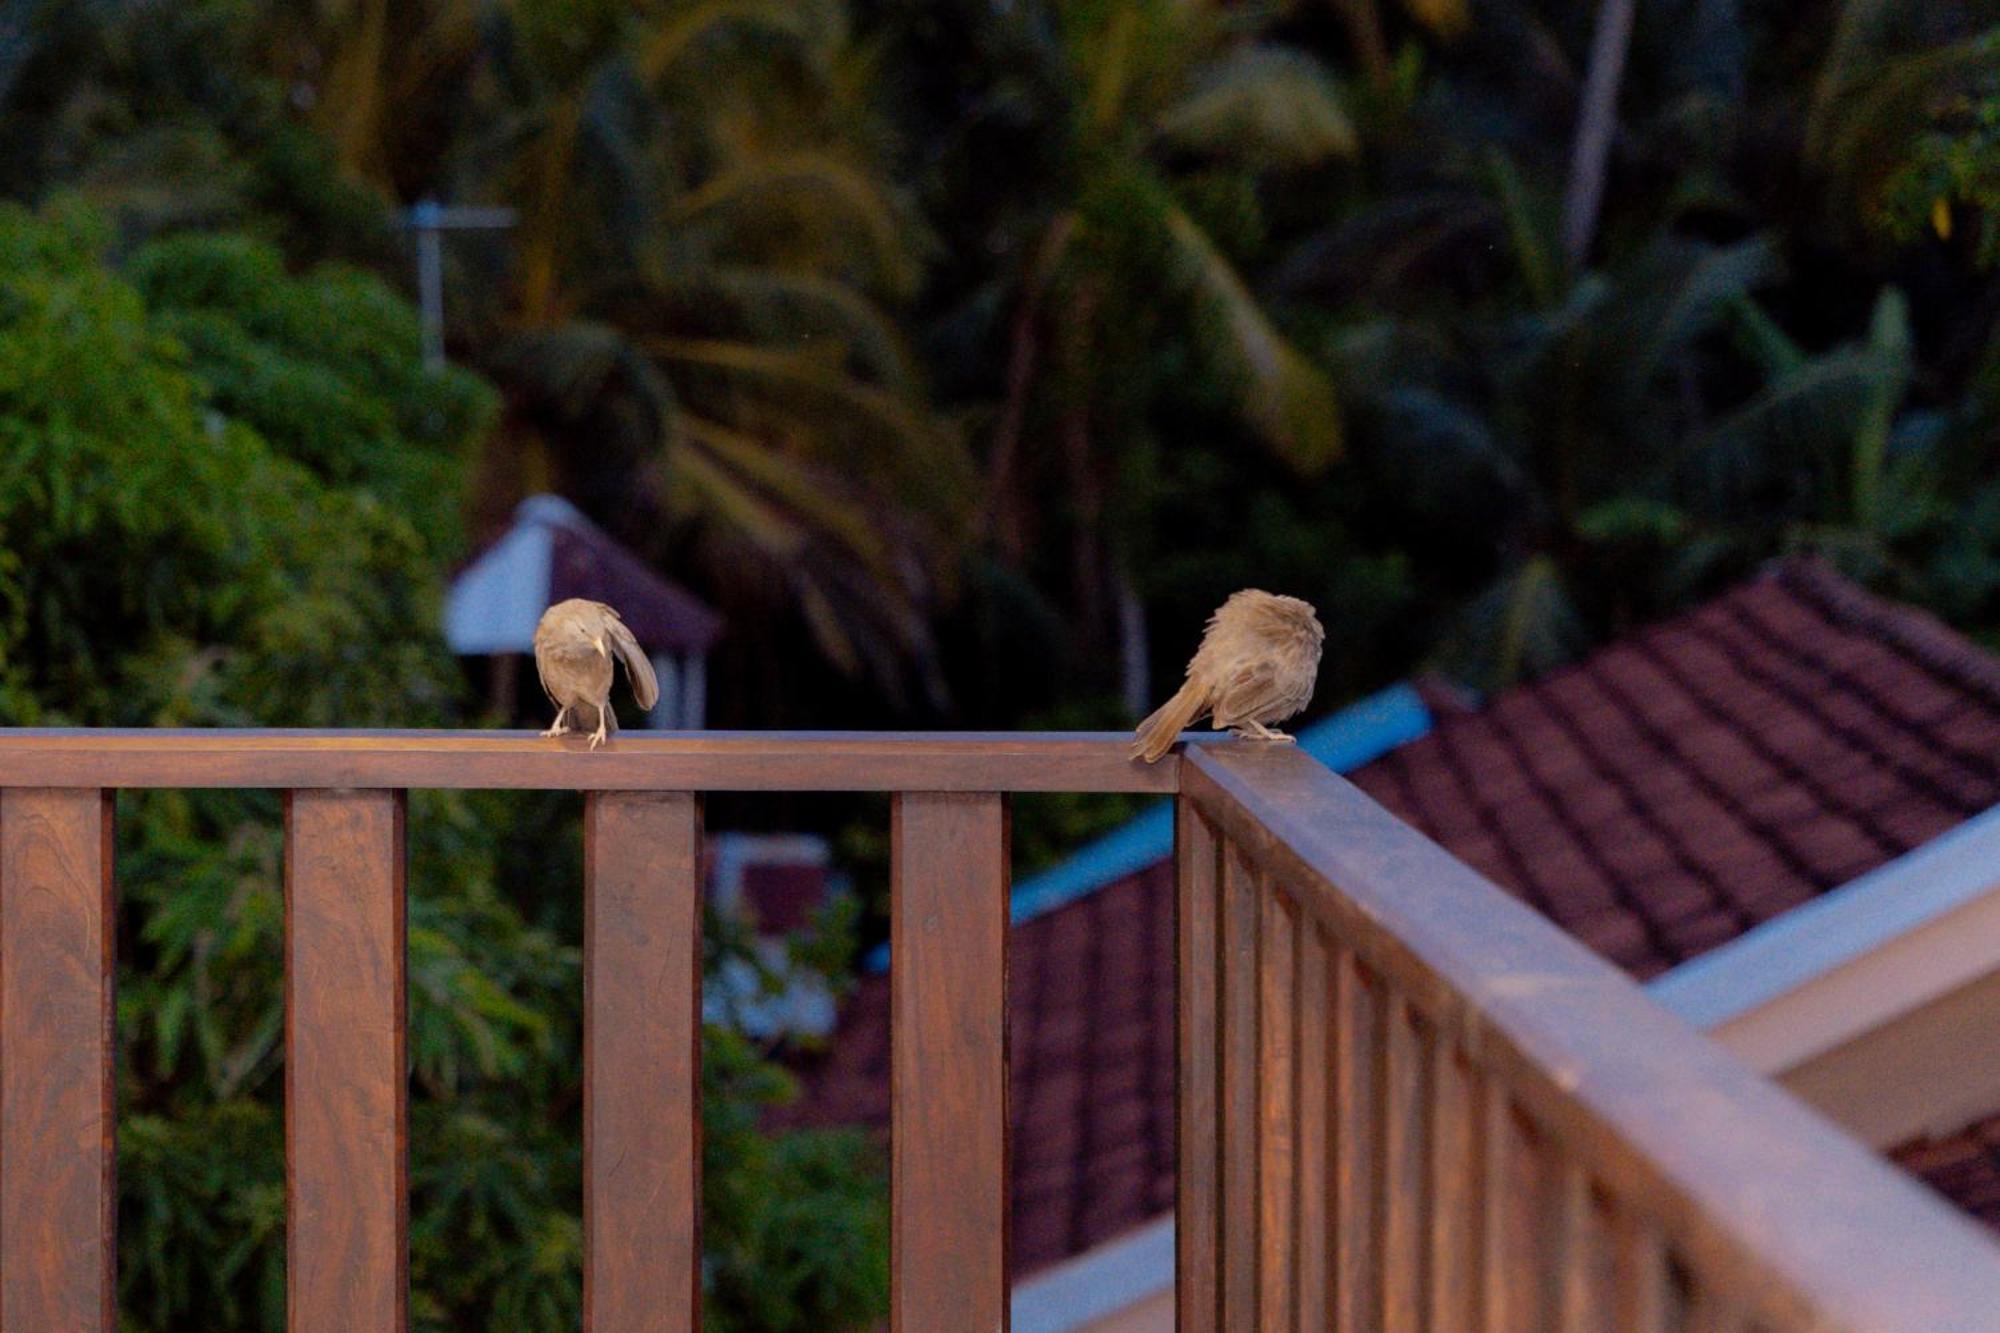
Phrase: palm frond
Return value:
(1287, 398)
(1265, 106)
(806, 492)
(1530, 235)
(766, 305)
(1445, 18)
(790, 20)
(1702, 297)
(805, 370)
(813, 189)
(745, 513)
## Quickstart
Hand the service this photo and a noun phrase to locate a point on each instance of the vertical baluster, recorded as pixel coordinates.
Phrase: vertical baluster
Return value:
(1239, 1104)
(1355, 1279)
(641, 1059)
(1197, 1212)
(1277, 1147)
(1453, 1190)
(1401, 1137)
(949, 1062)
(1524, 1266)
(1574, 1250)
(1640, 1303)
(1496, 1146)
(1316, 1054)
(346, 1117)
(58, 1201)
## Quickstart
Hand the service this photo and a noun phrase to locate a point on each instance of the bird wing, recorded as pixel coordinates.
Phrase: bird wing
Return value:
(542, 674)
(645, 685)
(1252, 693)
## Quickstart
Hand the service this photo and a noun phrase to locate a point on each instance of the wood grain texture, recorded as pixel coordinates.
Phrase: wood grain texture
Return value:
(1451, 1301)
(1238, 1106)
(642, 1062)
(632, 761)
(1315, 1167)
(1497, 1313)
(948, 1004)
(1656, 1115)
(58, 1197)
(1356, 1278)
(1277, 1110)
(1401, 1136)
(1197, 1210)
(1640, 1302)
(1573, 1252)
(1528, 1278)
(346, 1063)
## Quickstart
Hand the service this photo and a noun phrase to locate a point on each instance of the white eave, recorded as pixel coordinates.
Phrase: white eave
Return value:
(1878, 1003)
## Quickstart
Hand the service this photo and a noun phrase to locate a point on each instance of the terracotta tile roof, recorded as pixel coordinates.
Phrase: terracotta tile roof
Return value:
(1964, 1167)
(1702, 776)
(1656, 800)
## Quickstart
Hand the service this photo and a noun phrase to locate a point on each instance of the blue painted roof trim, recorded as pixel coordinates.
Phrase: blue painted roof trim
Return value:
(1361, 732)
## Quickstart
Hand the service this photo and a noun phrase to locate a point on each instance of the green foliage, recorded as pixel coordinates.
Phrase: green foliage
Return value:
(226, 498)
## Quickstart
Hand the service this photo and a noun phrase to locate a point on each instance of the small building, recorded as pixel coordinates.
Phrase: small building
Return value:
(551, 553)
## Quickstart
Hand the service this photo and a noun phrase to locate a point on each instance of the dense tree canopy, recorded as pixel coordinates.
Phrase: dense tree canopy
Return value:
(227, 497)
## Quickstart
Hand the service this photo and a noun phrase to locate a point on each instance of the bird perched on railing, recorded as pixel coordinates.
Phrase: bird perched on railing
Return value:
(1256, 665)
(574, 644)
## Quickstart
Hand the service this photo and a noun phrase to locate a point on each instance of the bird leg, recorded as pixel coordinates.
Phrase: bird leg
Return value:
(1253, 730)
(561, 725)
(599, 736)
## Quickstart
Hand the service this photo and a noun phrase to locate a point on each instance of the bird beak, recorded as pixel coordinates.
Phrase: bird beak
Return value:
(601, 652)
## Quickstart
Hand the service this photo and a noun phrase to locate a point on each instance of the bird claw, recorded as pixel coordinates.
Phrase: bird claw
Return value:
(597, 737)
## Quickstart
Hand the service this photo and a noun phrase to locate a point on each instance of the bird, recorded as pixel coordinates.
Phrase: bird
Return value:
(574, 644)
(1256, 665)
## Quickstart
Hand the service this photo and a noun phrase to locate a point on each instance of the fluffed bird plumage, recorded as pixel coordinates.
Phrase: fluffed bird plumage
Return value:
(1256, 665)
(576, 645)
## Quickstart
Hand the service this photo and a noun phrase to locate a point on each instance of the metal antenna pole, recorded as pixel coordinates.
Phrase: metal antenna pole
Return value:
(429, 220)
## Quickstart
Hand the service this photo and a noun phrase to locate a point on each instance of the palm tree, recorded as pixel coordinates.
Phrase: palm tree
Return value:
(1160, 98)
(696, 341)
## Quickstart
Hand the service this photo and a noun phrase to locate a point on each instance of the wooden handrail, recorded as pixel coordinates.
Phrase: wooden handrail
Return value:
(1406, 1101)
(1545, 1147)
(706, 761)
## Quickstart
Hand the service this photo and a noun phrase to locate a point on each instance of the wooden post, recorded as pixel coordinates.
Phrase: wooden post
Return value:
(346, 1064)
(642, 1062)
(948, 983)
(58, 1195)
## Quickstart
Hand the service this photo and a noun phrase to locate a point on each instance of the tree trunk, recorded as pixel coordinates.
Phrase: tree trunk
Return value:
(1364, 29)
(1597, 121)
(1134, 663)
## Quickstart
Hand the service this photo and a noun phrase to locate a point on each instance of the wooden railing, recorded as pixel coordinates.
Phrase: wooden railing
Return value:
(1406, 1102)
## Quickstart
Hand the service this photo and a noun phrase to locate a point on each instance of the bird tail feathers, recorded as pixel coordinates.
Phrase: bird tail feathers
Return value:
(638, 667)
(1158, 733)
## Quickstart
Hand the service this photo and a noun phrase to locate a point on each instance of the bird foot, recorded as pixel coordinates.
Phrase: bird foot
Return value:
(598, 737)
(560, 726)
(1257, 731)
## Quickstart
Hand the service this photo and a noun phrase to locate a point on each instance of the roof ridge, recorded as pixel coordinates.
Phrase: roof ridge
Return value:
(1921, 635)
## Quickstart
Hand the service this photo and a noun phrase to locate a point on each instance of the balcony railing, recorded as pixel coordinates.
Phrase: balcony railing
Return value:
(1406, 1102)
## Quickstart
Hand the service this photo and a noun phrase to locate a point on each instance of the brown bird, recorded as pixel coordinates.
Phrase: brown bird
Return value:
(1256, 665)
(573, 647)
